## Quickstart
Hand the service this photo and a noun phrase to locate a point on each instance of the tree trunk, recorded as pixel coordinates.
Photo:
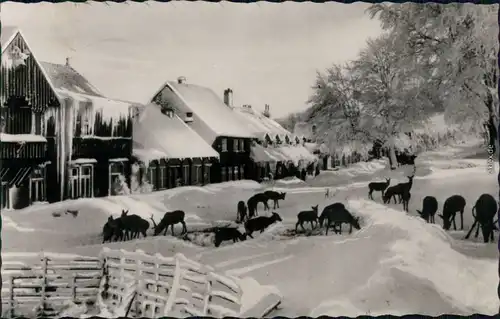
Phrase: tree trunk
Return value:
(491, 124)
(393, 163)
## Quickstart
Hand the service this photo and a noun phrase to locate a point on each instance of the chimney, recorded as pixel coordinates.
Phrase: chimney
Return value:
(67, 61)
(266, 111)
(228, 97)
(181, 79)
(188, 118)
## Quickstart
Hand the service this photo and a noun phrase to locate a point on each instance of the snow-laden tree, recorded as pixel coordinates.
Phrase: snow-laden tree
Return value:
(335, 109)
(393, 93)
(455, 46)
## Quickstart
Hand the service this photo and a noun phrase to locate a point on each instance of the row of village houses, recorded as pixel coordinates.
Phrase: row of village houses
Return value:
(62, 139)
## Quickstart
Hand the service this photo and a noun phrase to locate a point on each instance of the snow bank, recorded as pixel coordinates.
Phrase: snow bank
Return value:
(242, 184)
(253, 292)
(294, 181)
(420, 256)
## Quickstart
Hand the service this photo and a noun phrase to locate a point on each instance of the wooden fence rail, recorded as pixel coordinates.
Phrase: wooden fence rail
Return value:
(122, 283)
(165, 286)
(43, 288)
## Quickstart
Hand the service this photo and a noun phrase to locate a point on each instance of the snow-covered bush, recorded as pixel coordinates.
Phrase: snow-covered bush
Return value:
(138, 182)
(120, 186)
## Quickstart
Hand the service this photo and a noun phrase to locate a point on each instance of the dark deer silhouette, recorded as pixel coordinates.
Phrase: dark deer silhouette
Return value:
(337, 214)
(170, 219)
(452, 205)
(378, 187)
(429, 209)
(260, 223)
(307, 216)
(275, 197)
(241, 212)
(227, 233)
(254, 201)
(486, 209)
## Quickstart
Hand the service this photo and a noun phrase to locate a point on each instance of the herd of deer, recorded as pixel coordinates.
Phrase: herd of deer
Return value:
(485, 207)
(132, 226)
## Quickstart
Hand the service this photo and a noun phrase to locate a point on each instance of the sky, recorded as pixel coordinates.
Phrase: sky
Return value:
(266, 53)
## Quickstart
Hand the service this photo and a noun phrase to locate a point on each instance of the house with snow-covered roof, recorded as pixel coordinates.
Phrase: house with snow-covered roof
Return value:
(168, 151)
(57, 129)
(275, 150)
(306, 133)
(219, 126)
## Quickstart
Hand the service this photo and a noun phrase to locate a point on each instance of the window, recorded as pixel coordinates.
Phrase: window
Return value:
(224, 145)
(242, 171)
(37, 123)
(197, 177)
(4, 196)
(74, 188)
(206, 174)
(229, 173)
(242, 145)
(235, 145)
(223, 174)
(236, 173)
(287, 140)
(153, 176)
(37, 186)
(86, 181)
(163, 175)
(173, 175)
(185, 175)
(86, 119)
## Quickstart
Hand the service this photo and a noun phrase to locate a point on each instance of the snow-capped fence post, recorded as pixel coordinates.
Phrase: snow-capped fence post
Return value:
(11, 297)
(173, 289)
(45, 262)
(73, 288)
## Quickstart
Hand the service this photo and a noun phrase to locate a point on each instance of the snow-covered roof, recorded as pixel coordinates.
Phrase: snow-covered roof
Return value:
(67, 78)
(261, 124)
(296, 153)
(261, 154)
(302, 129)
(108, 108)
(313, 147)
(8, 33)
(293, 153)
(203, 102)
(19, 138)
(158, 136)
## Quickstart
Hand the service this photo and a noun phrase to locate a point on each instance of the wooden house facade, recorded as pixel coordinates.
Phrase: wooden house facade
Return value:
(167, 151)
(215, 122)
(60, 138)
(275, 151)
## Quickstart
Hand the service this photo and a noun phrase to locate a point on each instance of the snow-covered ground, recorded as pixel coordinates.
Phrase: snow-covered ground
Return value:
(396, 264)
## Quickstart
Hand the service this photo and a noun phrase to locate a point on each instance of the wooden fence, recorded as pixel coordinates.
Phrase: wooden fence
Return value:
(121, 283)
(42, 284)
(136, 284)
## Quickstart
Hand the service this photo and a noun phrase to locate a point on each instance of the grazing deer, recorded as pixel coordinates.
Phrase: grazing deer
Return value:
(261, 223)
(405, 197)
(429, 209)
(276, 197)
(486, 209)
(378, 186)
(337, 214)
(404, 187)
(241, 212)
(307, 216)
(390, 193)
(452, 205)
(227, 233)
(133, 225)
(170, 219)
(254, 201)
